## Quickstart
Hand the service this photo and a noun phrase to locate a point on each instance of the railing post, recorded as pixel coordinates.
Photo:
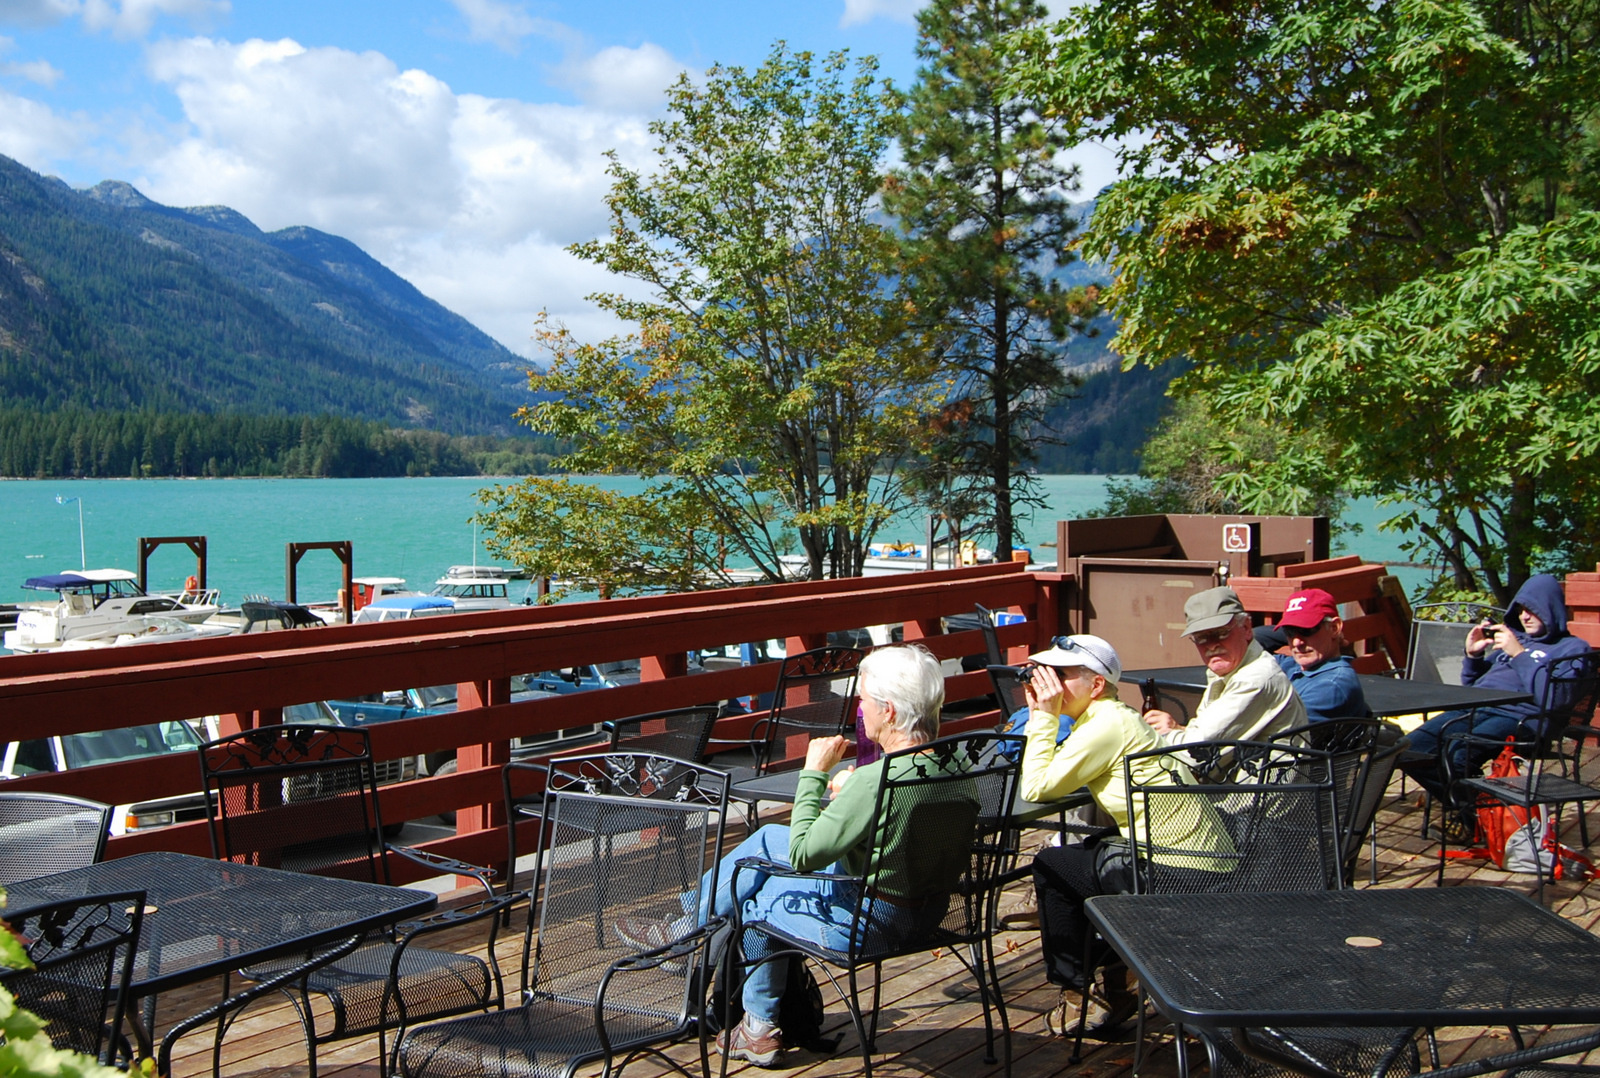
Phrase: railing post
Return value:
(470, 695)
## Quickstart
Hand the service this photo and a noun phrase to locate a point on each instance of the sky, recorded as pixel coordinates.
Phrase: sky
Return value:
(459, 142)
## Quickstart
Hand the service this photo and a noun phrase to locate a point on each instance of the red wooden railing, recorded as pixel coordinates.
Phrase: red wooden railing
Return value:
(249, 679)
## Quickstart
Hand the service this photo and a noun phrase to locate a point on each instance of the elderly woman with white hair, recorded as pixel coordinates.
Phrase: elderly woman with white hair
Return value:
(902, 691)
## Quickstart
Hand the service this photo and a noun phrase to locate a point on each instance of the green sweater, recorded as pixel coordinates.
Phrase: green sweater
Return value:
(900, 866)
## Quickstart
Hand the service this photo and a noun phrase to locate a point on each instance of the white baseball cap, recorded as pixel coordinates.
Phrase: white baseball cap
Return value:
(1082, 650)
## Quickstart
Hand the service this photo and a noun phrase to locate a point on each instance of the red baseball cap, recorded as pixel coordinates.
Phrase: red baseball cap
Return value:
(1308, 609)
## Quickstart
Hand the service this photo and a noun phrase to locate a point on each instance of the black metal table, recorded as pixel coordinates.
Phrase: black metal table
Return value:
(1232, 963)
(204, 918)
(1386, 696)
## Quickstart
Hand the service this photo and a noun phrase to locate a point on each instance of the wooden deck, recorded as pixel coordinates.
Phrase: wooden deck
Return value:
(931, 1023)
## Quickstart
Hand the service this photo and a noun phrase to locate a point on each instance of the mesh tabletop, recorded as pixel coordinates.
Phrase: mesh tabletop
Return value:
(1386, 696)
(204, 917)
(1454, 956)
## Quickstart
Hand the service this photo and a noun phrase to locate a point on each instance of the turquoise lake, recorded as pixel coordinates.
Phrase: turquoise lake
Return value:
(412, 528)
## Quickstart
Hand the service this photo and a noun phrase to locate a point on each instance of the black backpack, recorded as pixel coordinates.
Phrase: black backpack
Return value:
(800, 1013)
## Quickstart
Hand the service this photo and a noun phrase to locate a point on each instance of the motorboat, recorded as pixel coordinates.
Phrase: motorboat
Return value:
(151, 629)
(404, 608)
(474, 587)
(104, 604)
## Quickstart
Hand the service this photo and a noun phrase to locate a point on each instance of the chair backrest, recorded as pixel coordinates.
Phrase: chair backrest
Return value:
(1269, 820)
(682, 732)
(1363, 754)
(1439, 636)
(1009, 695)
(815, 697)
(1567, 690)
(83, 954)
(43, 833)
(623, 833)
(297, 796)
(941, 833)
(991, 638)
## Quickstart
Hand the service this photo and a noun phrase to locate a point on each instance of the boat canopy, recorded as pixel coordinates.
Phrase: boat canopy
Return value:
(410, 602)
(58, 582)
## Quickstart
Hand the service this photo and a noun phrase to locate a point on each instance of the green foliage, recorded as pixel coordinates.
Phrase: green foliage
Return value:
(1300, 174)
(984, 206)
(776, 368)
(83, 444)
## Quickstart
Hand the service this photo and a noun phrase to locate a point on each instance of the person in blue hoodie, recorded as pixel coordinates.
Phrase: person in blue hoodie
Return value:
(1507, 656)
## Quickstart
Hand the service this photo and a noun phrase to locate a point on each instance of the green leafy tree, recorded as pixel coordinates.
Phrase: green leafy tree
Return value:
(777, 376)
(1345, 214)
(983, 201)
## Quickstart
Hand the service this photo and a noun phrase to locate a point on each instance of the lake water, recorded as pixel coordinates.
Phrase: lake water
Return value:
(412, 528)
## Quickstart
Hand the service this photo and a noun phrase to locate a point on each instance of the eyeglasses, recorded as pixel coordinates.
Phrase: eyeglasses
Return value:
(1294, 632)
(1212, 636)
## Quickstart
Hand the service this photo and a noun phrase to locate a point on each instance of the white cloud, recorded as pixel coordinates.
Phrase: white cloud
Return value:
(505, 24)
(123, 18)
(42, 72)
(37, 12)
(39, 136)
(469, 197)
(622, 79)
(858, 11)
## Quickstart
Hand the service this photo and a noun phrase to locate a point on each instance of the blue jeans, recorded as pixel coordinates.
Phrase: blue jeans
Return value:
(818, 911)
(1489, 722)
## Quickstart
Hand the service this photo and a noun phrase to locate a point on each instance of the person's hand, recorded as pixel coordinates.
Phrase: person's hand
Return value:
(836, 783)
(1043, 690)
(824, 752)
(1481, 638)
(1161, 722)
(1507, 642)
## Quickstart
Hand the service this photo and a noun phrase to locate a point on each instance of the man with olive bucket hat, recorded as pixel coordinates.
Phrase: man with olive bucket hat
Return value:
(1247, 697)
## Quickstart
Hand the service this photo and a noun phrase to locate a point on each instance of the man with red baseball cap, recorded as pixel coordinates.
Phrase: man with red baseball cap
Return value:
(1320, 675)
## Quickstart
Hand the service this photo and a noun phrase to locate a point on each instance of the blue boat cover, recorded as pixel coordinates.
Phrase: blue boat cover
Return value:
(411, 602)
(56, 582)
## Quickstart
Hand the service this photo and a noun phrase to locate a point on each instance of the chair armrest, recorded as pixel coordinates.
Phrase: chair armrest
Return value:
(681, 950)
(789, 872)
(458, 915)
(446, 865)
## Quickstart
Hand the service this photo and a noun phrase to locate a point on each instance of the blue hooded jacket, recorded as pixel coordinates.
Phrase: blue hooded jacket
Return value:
(1542, 596)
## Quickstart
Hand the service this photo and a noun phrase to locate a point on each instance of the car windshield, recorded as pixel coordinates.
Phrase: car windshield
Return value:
(315, 712)
(130, 743)
(620, 668)
(437, 695)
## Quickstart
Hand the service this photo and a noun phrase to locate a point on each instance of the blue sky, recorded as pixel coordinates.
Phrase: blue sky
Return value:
(458, 141)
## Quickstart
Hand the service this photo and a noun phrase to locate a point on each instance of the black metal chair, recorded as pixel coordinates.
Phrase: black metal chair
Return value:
(1268, 822)
(682, 733)
(82, 950)
(1566, 689)
(587, 994)
(1439, 636)
(955, 796)
(815, 697)
(1364, 753)
(304, 798)
(43, 833)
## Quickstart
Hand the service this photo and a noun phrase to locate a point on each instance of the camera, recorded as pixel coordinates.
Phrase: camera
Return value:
(1025, 674)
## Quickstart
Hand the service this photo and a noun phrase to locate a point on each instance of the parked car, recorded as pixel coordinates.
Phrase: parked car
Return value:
(67, 751)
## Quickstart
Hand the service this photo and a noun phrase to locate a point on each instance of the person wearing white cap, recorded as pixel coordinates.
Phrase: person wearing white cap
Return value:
(1077, 678)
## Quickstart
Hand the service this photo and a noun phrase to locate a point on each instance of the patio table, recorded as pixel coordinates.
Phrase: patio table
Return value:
(1423, 957)
(1386, 696)
(205, 918)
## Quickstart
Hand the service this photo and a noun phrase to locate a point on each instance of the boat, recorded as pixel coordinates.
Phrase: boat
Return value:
(151, 629)
(474, 587)
(404, 608)
(100, 603)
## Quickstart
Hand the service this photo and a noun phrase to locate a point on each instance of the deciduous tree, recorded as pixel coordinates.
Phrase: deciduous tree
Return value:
(777, 375)
(1365, 223)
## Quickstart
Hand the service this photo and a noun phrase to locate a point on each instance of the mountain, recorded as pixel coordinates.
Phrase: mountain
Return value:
(110, 301)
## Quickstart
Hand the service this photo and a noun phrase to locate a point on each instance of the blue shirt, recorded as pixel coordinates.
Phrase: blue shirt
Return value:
(1329, 690)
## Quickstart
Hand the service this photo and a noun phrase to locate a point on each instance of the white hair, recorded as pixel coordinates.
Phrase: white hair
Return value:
(910, 678)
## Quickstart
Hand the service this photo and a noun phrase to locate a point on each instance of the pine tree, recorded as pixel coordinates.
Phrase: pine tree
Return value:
(984, 204)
